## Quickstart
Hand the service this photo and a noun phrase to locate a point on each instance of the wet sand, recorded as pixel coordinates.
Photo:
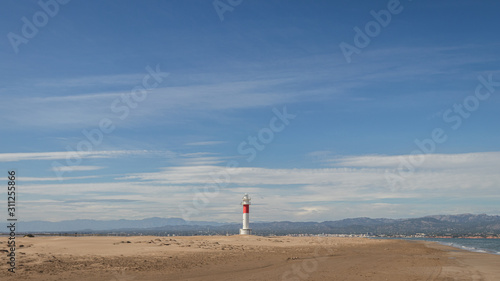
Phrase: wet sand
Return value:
(242, 258)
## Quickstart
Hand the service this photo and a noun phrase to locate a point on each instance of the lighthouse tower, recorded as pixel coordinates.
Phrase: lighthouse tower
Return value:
(246, 214)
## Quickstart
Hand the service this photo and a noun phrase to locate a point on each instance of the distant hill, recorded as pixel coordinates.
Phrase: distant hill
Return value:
(99, 225)
(437, 225)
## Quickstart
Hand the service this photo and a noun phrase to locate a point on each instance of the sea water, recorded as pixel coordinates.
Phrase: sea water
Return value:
(480, 245)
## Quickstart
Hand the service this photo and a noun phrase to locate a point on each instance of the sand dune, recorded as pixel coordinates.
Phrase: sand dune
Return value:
(243, 258)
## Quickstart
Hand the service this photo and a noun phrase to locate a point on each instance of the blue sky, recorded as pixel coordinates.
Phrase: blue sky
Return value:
(203, 86)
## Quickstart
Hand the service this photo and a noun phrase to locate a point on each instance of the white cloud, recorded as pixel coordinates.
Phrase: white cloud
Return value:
(291, 194)
(429, 161)
(471, 175)
(444, 172)
(41, 179)
(88, 109)
(308, 211)
(76, 168)
(24, 156)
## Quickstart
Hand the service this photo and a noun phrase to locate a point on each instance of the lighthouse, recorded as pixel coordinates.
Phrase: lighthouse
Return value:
(245, 201)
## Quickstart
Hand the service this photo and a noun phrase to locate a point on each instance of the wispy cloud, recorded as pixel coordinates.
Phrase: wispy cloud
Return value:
(212, 92)
(363, 175)
(483, 160)
(305, 194)
(205, 143)
(76, 168)
(42, 179)
(89, 108)
(92, 81)
(12, 157)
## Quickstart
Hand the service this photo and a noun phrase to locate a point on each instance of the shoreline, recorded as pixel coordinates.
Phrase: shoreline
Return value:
(466, 248)
(244, 258)
(483, 266)
(452, 244)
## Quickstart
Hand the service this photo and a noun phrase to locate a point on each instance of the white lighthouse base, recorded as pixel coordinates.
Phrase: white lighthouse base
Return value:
(246, 231)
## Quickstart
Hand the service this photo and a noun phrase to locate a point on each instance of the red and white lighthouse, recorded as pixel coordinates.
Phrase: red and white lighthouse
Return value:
(246, 215)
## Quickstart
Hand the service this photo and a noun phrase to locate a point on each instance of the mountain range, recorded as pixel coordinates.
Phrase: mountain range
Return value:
(462, 224)
(102, 225)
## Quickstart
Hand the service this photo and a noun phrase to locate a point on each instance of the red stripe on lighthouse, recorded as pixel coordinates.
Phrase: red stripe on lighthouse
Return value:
(246, 209)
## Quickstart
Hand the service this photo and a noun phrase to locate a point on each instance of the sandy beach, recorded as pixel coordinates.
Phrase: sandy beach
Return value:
(242, 258)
